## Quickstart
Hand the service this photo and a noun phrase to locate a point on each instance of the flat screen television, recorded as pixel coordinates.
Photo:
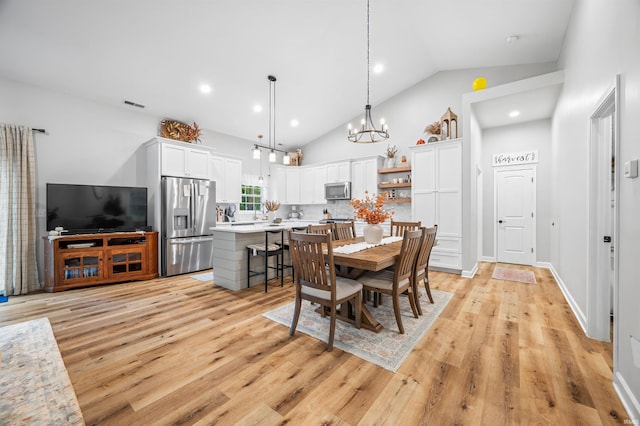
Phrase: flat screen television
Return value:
(82, 209)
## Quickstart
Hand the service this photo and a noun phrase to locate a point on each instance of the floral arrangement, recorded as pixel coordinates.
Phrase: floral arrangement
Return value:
(434, 128)
(391, 151)
(271, 206)
(371, 209)
(180, 131)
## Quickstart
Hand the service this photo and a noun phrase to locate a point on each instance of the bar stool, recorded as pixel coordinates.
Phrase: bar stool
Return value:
(266, 250)
(286, 247)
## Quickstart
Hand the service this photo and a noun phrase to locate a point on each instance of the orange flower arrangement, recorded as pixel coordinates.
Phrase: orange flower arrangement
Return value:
(371, 209)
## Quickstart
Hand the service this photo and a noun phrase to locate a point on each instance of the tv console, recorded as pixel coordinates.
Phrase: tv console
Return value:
(82, 260)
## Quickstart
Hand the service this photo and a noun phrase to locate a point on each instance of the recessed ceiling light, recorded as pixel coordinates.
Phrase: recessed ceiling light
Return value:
(294, 123)
(378, 68)
(257, 108)
(514, 113)
(205, 88)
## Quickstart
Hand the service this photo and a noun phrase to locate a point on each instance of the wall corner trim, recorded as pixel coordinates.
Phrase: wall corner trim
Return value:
(471, 273)
(577, 312)
(628, 399)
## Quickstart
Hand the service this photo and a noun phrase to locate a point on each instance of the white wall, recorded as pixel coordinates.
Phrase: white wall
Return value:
(409, 112)
(517, 138)
(591, 59)
(88, 142)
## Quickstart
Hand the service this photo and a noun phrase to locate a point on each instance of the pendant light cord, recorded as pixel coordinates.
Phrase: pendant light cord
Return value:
(368, 52)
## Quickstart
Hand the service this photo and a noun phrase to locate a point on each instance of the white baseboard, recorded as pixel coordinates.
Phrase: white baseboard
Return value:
(577, 312)
(490, 259)
(471, 273)
(627, 398)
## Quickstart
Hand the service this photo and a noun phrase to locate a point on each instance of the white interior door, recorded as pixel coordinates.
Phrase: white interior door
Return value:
(515, 211)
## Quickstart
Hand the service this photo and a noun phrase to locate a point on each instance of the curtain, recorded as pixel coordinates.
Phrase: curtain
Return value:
(18, 268)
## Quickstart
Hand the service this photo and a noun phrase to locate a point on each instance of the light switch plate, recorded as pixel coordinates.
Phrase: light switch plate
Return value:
(635, 350)
(631, 169)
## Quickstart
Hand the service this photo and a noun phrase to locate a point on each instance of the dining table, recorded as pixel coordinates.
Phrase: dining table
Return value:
(355, 264)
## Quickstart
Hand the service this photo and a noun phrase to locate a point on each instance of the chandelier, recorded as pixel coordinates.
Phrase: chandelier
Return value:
(367, 133)
(256, 151)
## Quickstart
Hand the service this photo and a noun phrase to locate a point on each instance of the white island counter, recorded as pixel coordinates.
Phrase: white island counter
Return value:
(230, 254)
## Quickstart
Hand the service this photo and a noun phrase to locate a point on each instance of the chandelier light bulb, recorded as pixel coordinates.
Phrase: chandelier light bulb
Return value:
(285, 159)
(256, 152)
(272, 156)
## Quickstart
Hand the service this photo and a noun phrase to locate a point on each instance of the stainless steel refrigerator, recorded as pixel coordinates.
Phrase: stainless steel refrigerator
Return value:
(188, 219)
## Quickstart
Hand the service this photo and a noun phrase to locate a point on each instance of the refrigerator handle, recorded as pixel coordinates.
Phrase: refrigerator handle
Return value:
(193, 206)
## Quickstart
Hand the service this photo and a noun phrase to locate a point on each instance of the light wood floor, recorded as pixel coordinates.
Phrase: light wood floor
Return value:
(179, 351)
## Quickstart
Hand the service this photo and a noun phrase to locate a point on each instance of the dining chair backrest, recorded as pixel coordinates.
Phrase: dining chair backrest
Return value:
(428, 240)
(312, 270)
(344, 230)
(323, 228)
(411, 242)
(398, 228)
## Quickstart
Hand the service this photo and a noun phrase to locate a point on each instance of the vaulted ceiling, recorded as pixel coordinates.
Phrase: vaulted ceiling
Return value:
(157, 53)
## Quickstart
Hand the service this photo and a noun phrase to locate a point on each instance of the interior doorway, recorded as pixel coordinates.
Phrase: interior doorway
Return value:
(515, 206)
(603, 213)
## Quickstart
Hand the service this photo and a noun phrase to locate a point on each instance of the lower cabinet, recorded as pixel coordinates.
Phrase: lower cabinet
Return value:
(84, 260)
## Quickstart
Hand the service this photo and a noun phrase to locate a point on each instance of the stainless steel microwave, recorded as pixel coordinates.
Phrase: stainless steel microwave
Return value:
(337, 191)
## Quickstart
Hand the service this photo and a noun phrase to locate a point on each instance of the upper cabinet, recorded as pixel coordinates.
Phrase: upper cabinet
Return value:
(184, 161)
(364, 177)
(227, 173)
(339, 172)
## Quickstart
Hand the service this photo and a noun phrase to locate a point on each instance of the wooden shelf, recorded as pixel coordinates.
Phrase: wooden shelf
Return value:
(400, 169)
(397, 200)
(395, 185)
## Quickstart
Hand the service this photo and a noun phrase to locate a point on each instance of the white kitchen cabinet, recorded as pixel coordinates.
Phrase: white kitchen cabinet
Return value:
(339, 172)
(320, 178)
(184, 161)
(293, 185)
(278, 184)
(312, 180)
(364, 177)
(436, 195)
(227, 173)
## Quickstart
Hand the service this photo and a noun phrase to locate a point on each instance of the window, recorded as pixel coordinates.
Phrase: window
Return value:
(251, 198)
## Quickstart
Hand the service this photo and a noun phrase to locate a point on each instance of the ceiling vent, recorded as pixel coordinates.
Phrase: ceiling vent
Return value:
(126, 102)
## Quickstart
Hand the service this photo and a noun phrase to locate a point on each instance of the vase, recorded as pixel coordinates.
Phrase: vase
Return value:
(390, 163)
(372, 233)
(271, 216)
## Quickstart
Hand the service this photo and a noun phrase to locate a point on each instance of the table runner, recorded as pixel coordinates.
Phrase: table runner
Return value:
(355, 247)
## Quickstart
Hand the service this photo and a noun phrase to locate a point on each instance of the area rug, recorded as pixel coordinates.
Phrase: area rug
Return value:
(511, 274)
(388, 348)
(207, 276)
(34, 384)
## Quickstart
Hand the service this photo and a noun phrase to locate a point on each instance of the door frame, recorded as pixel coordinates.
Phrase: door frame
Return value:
(599, 296)
(534, 206)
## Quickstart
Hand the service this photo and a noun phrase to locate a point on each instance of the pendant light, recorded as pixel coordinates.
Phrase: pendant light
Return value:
(367, 133)
(272, 117)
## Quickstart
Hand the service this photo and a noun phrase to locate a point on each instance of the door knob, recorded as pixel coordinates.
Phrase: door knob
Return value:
(500, 221)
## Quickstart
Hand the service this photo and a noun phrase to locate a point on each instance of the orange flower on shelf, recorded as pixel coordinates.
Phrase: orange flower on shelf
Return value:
(371, 209)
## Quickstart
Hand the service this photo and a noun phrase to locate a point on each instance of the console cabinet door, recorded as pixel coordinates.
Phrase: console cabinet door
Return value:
(80, 266)
(128, 262)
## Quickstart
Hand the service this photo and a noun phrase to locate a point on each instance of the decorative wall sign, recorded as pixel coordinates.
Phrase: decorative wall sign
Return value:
(514, 158)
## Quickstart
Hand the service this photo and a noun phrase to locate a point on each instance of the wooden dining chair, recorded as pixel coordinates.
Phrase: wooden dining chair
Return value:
(421, 267)
(286, 247)
(323, 228)
(316, 280)
(344, 230)
(398, 228)
(398, 281)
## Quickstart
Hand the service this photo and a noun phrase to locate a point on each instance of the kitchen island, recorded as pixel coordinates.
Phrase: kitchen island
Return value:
(230, 241)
